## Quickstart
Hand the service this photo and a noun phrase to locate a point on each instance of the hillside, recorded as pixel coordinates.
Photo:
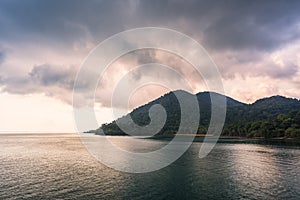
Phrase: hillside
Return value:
(275, 116)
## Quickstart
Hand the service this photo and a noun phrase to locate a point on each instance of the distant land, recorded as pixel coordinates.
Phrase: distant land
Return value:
(271, 117)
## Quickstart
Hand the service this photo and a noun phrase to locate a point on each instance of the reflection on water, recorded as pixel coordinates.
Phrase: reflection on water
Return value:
(58, 166)
(256, 169)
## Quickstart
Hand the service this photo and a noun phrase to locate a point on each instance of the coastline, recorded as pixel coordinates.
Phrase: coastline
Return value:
(236, 139)
(169, 137)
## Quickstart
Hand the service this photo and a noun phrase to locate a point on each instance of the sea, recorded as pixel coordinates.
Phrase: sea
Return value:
(58, 166)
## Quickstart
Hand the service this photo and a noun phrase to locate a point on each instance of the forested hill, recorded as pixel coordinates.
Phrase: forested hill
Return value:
(275, 116)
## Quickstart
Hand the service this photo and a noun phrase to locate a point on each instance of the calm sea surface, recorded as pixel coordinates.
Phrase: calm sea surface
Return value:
(59, 167)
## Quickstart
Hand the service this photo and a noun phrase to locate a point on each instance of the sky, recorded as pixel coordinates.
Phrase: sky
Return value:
(254, 44)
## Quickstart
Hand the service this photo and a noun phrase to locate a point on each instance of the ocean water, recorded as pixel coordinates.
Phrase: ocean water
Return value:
(57, 166)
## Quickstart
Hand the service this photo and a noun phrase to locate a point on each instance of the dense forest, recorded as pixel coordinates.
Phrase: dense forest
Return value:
(285, 125)
(271, 117)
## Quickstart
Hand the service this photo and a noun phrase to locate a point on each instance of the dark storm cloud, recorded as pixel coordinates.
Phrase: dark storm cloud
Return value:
(52, 80)
(236, 26)
(48, 75)
(254, 24)
(57, 21)
(1, 57)
(219, 24)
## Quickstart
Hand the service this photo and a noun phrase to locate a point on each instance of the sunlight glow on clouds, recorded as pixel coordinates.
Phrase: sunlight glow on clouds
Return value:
(255, 44)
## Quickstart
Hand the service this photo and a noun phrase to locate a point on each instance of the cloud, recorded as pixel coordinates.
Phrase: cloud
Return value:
(253, 25)
(231, 24)
(61, 23)
(228, 24)
(1, 57)
(245, 38)
(57, 81)
(51, 80)
(129, 72)
(47, 75)
(285, 72)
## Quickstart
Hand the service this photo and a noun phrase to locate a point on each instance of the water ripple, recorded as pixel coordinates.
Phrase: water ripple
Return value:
(59, 167)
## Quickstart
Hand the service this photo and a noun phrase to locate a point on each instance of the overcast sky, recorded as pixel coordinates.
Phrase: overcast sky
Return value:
(255, 45)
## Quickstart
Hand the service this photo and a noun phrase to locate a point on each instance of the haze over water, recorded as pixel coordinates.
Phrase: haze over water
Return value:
(57, 166)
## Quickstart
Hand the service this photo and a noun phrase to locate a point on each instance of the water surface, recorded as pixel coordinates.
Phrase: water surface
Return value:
(58, 166)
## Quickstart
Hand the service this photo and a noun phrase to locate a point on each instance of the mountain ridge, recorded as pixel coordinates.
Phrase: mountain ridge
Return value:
(242, 119)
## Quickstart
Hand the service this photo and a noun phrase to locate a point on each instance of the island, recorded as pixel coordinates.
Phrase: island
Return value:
(270, 117)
